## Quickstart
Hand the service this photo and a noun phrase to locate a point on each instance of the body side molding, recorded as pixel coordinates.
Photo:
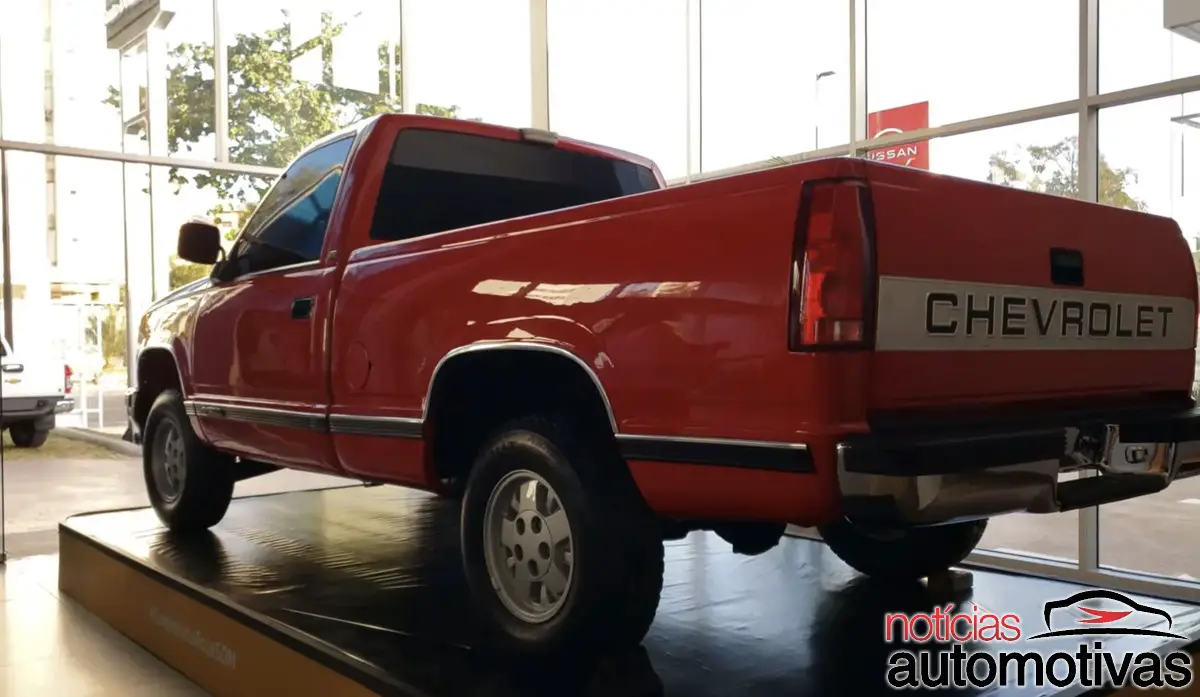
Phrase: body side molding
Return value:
(721, 452)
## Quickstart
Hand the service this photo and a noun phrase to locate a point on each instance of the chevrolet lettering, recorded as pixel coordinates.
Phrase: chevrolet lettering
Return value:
(957, 316)
(1014, 315)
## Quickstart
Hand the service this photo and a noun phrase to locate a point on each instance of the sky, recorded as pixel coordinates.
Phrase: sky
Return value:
(618, 74)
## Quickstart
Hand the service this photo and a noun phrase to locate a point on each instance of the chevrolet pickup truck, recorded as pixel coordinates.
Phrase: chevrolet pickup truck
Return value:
(33, 392)
(596, 362)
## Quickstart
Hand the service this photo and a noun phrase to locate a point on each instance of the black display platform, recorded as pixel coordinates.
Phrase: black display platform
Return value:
(359, 591)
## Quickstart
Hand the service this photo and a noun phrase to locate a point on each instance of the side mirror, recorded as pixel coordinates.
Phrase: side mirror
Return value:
(199, 242)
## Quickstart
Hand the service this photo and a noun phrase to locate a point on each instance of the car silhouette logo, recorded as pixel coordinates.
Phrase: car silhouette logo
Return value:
(1100, 620)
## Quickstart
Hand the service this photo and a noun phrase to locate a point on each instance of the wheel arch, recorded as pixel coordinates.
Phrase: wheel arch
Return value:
(511, 346)
(483, 384)
(157, 371)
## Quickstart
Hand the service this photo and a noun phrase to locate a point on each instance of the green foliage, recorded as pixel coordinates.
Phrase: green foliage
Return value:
(272, 116)
(183, 273)
(1054, 169)
(111, 325)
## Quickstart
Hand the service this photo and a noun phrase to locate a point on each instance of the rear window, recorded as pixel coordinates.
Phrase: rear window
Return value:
(439, 180)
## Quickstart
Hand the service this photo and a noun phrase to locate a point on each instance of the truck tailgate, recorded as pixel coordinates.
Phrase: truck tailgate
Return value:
(995, 295)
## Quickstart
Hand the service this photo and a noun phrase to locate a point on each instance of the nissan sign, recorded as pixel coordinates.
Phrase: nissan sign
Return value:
(911, 117)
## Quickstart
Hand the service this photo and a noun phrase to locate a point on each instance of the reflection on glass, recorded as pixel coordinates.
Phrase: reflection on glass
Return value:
(774, 79)
(299, 71)
(188, 75)
(1149, 152)
(635, 98)
(972, 59)
(135, 80)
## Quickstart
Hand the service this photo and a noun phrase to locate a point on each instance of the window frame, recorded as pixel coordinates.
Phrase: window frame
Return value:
(261, 212)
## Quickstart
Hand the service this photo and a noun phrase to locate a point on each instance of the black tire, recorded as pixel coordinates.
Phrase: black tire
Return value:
(24, 435)
(205, 488)
(903, 555)
(616, 546)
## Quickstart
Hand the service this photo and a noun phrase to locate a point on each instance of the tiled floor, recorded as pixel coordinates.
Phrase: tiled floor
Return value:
(50, 647)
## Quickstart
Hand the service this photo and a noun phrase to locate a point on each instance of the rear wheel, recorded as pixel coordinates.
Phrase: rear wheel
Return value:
(189, 484)
(26, 435)
(906, 554)
(560, 551)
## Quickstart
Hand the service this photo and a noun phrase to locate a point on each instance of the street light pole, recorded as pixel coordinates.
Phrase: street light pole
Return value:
(817, 105)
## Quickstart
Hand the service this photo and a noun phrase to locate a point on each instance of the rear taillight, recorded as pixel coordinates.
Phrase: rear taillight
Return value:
(67, 379)
(832, 268)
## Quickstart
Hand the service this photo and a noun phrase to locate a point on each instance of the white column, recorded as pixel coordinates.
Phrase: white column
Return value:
(1089, 176)
(695, 66)
(539, 64)
(221, 83)
(160, 239)
(858, 75)
(406, 104)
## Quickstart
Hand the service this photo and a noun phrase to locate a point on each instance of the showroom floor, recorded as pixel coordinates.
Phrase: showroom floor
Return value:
(50, 646)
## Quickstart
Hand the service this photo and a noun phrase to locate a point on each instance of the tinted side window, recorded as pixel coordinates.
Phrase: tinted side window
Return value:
(439, 180)
(289, 225)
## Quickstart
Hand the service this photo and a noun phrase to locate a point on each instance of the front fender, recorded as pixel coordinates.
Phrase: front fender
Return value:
(169, 326)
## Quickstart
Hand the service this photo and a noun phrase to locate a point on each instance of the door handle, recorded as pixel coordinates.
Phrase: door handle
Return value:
(302, 308)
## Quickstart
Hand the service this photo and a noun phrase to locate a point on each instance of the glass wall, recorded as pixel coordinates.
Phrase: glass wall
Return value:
(773, 79)
(301, 70)
(971, 59)
(193, 111)
(67, 225)
(618, 74)
(478, 69)
(1135, 48)
(188, 74)
(1148, 157)
(59, 80)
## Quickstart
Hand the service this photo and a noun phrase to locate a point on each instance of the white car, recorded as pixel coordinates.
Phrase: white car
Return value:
(31, 394)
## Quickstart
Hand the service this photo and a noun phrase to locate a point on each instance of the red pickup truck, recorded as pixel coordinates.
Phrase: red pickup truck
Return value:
(596, 362)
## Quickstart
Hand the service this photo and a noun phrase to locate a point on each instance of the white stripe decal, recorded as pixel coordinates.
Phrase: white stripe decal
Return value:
(924, 314)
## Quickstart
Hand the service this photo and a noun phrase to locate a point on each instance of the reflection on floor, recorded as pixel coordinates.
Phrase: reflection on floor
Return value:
(40, 492)
(376, 573)
(51, 647)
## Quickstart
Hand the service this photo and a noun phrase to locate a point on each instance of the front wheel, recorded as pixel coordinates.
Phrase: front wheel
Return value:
(561, 553)
(906, 554)
(25, 435)
(189, 484)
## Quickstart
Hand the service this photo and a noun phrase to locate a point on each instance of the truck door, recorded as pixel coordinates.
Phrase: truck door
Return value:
(260, 372)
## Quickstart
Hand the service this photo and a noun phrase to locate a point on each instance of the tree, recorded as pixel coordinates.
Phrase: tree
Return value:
(183, 273)
(272, 116)
(1054, 169)
(111, 327)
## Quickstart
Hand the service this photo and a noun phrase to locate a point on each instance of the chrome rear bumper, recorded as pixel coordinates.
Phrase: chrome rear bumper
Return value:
(926, 481)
